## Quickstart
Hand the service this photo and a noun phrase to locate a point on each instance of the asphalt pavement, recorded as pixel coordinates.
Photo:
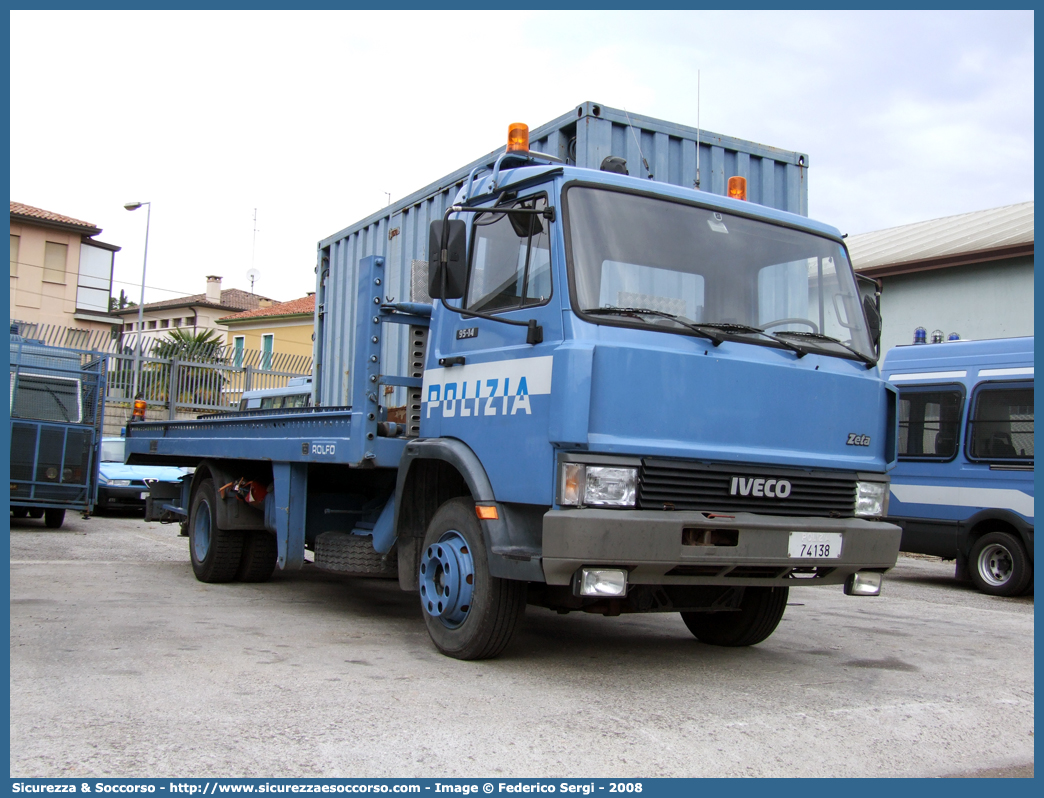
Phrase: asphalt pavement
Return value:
(122, 664)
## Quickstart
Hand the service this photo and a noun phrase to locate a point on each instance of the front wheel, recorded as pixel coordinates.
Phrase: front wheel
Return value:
(760, 612)
(215, 552)
(999, 565)
(470, 614)
(53, 519)
(19, 512)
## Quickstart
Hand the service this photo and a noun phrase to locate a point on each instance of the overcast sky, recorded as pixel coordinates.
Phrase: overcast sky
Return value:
(310, 117)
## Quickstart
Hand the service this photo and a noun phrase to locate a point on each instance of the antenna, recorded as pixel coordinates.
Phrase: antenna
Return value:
(388, 195)
(645, 163)
(697, 128)
(253, 248)
(253, 275)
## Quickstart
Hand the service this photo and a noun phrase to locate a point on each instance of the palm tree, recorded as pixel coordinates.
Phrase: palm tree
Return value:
(196, 384)
(184, 344)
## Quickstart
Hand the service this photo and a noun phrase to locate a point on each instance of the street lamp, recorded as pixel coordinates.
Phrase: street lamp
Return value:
(133, 206)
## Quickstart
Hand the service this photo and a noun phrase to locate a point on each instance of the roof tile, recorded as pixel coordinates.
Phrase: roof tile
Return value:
(303, 306)
(22, 209)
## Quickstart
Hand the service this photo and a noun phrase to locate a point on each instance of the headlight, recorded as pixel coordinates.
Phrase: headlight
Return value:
(598, 486)
(119, 483)
(871, 499)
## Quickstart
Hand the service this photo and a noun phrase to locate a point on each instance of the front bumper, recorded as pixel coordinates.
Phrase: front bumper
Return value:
(133, 496)
(649, 544)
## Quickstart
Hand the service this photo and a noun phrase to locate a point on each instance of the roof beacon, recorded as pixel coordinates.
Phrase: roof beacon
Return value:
(518, 137)
(738, 188)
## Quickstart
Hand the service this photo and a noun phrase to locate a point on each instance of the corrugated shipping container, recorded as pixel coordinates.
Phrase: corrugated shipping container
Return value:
(584, 137)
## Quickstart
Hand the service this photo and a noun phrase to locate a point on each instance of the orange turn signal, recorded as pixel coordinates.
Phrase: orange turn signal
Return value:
(486, 513)
(139, 409)
(518, 137)
(738, 187)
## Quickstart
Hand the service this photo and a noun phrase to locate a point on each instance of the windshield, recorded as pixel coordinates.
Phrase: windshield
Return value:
(638, 253)
(112, 451)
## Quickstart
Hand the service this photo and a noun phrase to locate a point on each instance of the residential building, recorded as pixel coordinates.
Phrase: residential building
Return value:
(970, 274)
(60, 274)
(195, 313)
(282, 328)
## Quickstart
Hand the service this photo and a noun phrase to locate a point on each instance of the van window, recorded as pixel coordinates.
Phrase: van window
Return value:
(929, 423)
(1002, 424)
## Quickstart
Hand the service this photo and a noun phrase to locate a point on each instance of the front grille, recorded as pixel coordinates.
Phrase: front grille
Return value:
(680, 485)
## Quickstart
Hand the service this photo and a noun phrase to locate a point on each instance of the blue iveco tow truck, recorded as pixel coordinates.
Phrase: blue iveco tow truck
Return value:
(623, 395)
(963, 489)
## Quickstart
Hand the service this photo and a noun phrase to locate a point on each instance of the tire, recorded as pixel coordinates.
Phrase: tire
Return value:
(761, 609)
(258, 560)
(53, 519)
(469, 613)
(19, 512)
(998, 565)
(215, 552)
(36, 512)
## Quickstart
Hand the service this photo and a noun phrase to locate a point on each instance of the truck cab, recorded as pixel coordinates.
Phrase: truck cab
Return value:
(657, 384)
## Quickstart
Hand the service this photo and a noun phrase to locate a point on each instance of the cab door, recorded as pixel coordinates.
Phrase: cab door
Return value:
(485, 384)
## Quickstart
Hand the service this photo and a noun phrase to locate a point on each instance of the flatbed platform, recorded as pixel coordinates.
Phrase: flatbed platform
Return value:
(295, 435)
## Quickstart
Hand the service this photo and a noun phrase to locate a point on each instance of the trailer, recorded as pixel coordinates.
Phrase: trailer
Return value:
(56, 422)
(582, 389)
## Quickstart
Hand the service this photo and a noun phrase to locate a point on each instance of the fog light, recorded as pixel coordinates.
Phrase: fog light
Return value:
(603, 582)
(863, 583)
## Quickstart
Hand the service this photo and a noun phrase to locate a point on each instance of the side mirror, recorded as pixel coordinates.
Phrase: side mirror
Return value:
(454, 259)
(873, 321)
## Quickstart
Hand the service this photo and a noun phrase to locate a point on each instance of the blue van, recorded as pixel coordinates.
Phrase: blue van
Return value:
(963, 488)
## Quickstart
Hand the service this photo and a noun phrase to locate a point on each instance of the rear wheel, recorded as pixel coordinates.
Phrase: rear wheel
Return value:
(761, 609)
(53, 519)
(999, 566)
(469, 613)
(36, 512)
(19, 512)
(258, 561)
(215, 552)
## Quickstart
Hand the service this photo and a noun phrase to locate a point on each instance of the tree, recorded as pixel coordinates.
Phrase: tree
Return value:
(196, 384)
(122, 303)
(183, 344)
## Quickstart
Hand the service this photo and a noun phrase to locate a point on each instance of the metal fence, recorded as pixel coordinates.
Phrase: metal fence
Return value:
(177, 378)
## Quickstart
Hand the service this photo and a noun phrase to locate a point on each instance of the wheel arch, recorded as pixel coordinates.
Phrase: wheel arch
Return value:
(232, 513)
(998, 520)
(431, 473)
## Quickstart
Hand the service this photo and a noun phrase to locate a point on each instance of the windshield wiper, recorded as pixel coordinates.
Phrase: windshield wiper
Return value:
(815, 336)
(708, 331)
(749, 329)
(712, 330)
